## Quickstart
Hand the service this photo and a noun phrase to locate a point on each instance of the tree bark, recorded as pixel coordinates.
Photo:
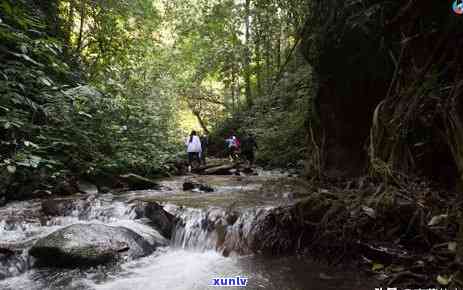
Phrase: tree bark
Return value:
(258, 68)
(82, 22)
(68, 27)
(247, 57)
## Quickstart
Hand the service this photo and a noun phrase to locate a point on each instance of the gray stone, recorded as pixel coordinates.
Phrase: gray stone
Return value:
(160, 219)
(137, 182)
(89, 245)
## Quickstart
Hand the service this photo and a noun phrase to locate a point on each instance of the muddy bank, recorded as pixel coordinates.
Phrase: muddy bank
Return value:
(405, 237)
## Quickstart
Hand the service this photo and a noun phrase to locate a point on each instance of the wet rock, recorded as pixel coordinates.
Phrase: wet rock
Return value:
(89, 245)
(231, 217)
(104, 189)
(289, 195)
(63, 207)
(247, 170)
(87, 188)
(13, 223)
(65, 187)
(12, 263)
(42, 193)
(137, 182)
(189, 186)
(160, 219)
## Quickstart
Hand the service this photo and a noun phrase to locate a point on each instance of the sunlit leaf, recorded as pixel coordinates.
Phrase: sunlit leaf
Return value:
(30, 144)
(377, 267)
(85, 114)
(435, 220)
(444, 280)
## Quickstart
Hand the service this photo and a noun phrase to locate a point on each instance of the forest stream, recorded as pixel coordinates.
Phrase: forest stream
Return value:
(189, 261)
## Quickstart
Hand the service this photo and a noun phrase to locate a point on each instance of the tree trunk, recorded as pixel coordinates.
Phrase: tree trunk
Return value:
(232, 89)
(82, 22)
(68, 28)
(268, 74)
(247, 69)
(258, 67)
(278, 48)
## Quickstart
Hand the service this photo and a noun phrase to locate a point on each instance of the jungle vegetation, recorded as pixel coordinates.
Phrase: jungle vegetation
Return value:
(341, 88)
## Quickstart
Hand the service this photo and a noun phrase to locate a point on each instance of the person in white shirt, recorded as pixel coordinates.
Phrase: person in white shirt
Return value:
(193, 144)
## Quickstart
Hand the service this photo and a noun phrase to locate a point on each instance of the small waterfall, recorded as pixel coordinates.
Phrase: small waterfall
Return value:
(22, 223)
(198, 228)
(217, 229)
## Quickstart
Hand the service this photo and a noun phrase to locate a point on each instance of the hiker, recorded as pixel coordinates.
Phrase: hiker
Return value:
(204, 146)
(193, 148)
(232, 147)
(248, 147)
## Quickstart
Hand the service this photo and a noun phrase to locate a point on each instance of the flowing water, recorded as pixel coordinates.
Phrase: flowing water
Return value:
(194, 256)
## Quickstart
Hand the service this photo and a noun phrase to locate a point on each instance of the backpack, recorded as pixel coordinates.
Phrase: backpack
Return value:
(237, 143)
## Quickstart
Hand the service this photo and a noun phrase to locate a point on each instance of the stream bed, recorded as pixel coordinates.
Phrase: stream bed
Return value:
(190, 261)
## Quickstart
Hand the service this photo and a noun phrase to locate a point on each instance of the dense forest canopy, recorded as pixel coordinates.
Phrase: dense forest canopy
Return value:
(92, 86)
(346, 87)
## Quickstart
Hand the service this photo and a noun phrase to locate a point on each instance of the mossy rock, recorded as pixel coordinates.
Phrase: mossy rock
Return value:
(83, 245)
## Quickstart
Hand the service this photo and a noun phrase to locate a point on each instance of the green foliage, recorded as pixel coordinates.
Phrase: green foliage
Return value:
(279, 121)
(49, 129)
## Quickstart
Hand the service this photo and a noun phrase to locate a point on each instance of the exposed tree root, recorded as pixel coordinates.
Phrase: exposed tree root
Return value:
(404, 234)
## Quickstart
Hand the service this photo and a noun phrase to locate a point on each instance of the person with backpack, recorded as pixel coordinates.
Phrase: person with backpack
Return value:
(248, 147)
(232, 147)
(194, 149)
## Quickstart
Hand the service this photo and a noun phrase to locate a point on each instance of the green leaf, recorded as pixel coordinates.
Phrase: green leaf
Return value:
(84, 114)
(444, 280)
(377, 266)
(23, 48)
(32, 161)
(46, 81)
(6, 8)
(27, 58)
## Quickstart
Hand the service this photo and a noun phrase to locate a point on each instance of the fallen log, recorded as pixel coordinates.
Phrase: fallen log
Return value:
(220, 170)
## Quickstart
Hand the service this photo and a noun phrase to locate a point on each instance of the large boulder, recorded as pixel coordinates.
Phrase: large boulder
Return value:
(65, 187)
(137, 182)
(89, 245)
(87, 187)
(160, 219)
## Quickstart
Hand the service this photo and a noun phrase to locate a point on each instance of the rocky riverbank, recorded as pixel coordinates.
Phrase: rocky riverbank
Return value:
(403, 236)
